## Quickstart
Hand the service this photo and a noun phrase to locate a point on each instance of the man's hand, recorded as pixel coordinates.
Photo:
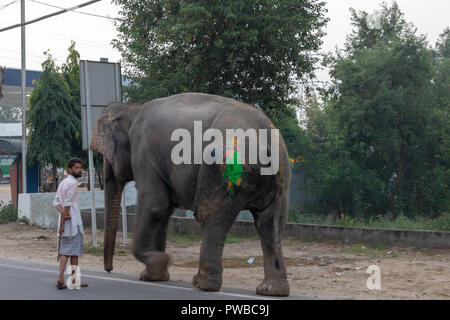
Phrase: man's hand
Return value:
(66, 213)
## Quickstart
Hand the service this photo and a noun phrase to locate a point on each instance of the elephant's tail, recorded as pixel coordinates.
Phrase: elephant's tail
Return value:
(282, 186)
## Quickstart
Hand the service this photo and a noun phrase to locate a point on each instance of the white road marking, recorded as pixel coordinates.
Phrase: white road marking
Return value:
(140, 282)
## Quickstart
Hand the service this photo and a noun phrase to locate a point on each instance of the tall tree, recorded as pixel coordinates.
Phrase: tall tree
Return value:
(380, 25)
(71, 73)
(51, 121)
(376, 156)
(438, 130)
(250, 50)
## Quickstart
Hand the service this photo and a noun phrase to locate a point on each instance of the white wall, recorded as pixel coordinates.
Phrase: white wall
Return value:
(38, 207)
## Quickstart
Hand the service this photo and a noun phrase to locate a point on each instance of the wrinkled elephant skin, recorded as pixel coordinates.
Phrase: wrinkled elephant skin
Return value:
(136, 142)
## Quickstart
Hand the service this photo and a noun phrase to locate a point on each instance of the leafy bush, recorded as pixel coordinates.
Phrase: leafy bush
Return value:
(24, 220)
(7, 212)
(442, 223)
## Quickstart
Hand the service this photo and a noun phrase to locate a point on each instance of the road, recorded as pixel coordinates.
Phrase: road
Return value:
(23, 280)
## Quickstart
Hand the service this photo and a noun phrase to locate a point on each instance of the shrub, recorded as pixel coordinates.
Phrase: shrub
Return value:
(442, 223)
(7, 212)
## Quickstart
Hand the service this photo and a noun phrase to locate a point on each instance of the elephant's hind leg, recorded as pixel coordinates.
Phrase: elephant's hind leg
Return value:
(153, 215)
(269, 224)
(215, 227)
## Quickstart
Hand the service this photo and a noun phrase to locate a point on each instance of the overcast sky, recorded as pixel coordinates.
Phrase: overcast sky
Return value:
(93, 35)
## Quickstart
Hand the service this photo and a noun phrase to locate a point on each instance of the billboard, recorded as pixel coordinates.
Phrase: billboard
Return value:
(100, 85)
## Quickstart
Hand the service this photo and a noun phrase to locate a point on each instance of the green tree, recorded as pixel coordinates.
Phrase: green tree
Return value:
(373, 151)
(249, 50)
(51, 120)
(381, 25)
(438, 129)
(71, 73)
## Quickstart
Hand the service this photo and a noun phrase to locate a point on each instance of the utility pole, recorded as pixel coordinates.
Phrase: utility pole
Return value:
(24, 100)
(90, 155)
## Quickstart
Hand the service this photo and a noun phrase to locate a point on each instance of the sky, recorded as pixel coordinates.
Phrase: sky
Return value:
(93, 34)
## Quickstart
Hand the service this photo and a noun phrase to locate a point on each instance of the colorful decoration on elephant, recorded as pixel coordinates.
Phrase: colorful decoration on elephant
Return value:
(233, 172)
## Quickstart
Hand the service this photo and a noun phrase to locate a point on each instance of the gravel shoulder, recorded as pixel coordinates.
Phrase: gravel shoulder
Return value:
(322, 269)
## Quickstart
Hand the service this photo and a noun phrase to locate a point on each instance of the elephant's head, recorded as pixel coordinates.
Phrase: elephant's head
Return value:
(110, 138)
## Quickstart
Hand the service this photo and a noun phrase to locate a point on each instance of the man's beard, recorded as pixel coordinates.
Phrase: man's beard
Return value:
(76, 175)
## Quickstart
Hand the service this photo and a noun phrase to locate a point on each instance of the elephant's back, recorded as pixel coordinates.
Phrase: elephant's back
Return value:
(181, 110)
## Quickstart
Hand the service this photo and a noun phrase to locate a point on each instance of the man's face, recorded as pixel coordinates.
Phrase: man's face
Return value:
(76, 170)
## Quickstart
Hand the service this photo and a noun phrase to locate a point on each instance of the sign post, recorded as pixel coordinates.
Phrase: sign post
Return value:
(100, 85)
(91, 157)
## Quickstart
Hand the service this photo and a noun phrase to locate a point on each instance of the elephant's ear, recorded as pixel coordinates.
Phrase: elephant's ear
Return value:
(103, 138)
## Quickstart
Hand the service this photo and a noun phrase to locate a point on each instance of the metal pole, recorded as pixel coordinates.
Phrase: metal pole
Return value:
(24, 102)
(124, 205)
(90, 154)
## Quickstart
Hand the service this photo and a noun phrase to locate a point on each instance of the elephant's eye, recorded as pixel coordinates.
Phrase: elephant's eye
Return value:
(213, 153)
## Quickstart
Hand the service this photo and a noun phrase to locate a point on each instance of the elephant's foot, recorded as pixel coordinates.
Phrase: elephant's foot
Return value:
(156, 268)
(207, 283)
(273, 287)
(152, 276)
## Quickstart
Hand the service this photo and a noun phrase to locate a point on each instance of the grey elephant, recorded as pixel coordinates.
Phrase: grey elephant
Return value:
(137, 143)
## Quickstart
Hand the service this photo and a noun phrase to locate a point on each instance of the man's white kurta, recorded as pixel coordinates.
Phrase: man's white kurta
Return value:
(67, 196)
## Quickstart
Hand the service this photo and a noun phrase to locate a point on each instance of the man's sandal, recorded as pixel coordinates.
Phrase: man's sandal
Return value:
(82, 284)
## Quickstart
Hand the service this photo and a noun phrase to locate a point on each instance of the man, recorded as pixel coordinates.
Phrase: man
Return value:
(70, 224)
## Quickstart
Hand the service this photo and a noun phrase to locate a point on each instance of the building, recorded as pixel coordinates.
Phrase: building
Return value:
(12, 86)
(11, 133)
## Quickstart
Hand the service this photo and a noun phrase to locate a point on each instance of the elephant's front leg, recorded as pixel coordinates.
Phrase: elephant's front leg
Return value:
(151, 232)
(214, 233)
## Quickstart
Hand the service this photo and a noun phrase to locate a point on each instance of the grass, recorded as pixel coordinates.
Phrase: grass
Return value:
(402, 222)
(231, 238)
(183, 240)
(90, 249)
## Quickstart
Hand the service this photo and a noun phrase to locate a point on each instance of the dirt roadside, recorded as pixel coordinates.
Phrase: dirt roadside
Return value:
(322, 269)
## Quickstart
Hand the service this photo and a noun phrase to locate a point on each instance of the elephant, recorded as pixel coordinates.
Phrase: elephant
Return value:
(136, 141)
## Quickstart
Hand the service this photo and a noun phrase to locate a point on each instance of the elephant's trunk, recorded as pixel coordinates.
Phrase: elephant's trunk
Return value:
(113, 195)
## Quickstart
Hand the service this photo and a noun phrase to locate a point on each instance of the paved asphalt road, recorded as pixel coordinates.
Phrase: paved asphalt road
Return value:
(20, 280)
